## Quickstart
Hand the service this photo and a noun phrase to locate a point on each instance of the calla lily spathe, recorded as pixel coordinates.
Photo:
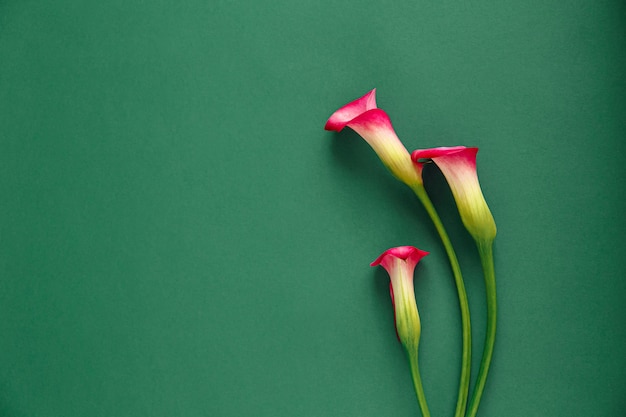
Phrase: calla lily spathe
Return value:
(458, 165)
(400, 263)
(373, 124)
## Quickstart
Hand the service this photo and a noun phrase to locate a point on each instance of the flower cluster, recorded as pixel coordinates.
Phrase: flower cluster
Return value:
(458, 165)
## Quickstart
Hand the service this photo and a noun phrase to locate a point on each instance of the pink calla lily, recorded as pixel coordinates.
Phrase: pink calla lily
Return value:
(458, 165)
(374, 126)
(400, 263)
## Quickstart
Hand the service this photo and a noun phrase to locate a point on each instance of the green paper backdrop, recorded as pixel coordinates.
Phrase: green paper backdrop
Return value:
(180, 237)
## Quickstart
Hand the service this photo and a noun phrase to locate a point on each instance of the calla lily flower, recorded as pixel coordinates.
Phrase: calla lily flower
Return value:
(400, 263)
(458, 165)
(374, 126)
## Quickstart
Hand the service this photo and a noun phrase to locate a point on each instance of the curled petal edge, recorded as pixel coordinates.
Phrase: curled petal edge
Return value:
(410, 254)
(468, 154)
(342, 117)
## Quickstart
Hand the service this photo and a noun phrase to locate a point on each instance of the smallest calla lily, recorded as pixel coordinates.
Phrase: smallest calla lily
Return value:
(400, 263)
(374, 126)
(458, 165)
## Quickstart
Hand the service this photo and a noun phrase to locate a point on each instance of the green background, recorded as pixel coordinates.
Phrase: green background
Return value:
(180, 237)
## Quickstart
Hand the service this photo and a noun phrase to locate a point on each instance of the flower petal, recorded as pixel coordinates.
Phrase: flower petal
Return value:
(419, 155)
(400, 264)
(339, 119)
(375, 127)
(393, 303)
(410, 254)
(458, 165)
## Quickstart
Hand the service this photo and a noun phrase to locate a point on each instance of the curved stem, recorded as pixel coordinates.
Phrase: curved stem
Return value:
(466, 362)
(485, 249)
(417, 383)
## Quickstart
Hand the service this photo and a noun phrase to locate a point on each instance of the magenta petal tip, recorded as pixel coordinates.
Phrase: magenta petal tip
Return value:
(407, 253)
(339, 119)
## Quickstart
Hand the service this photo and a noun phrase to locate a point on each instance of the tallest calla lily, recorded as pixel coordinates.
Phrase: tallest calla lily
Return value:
(458, 165)
(373, 124)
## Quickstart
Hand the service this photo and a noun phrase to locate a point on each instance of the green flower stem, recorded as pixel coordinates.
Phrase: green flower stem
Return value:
(466, 362)
(417, 382)
(485, 249)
